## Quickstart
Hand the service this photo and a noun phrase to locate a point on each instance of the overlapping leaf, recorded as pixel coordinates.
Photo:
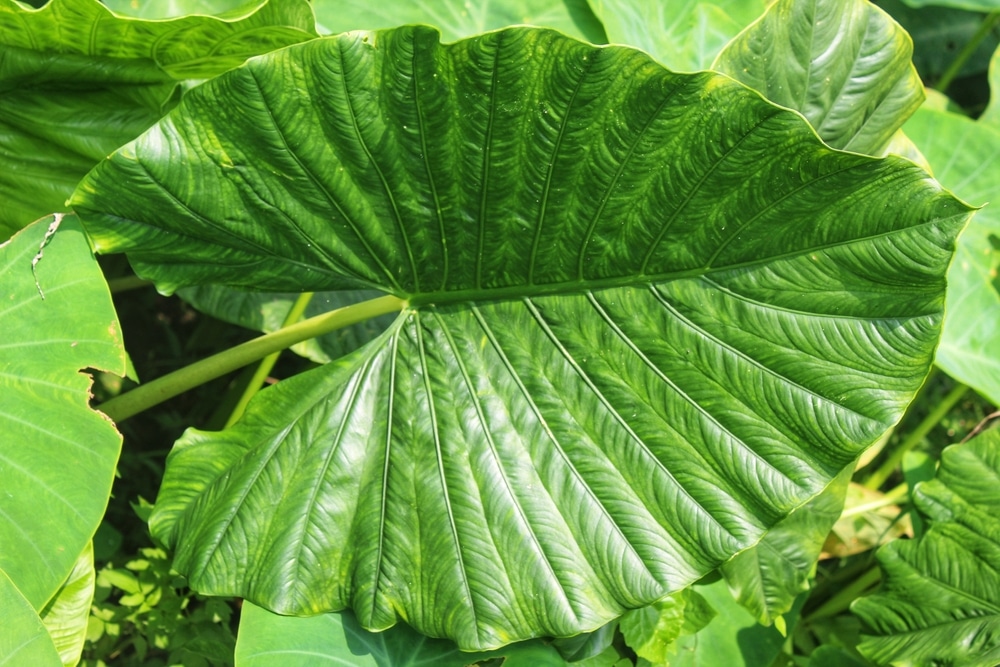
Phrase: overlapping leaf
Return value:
(57, 456)
(684, 35)
(76, 82)
(965, 156)
(458, 18)
(648, 315)
(24, 638)
(67, 614)
(845, 64)
(940, 598)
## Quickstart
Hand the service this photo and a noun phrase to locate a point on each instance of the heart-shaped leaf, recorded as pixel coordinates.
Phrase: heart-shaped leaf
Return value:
(648, 315)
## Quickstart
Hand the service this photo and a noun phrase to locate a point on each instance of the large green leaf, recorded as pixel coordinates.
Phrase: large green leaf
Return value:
(24, 640)
(77, 82)
(648, 315)
(459, 18)
(965, 156)
(844, 64)
(685, 35)
(57, 456)
(269, 640)
(970, 5)
(939, 603)
(167, 9)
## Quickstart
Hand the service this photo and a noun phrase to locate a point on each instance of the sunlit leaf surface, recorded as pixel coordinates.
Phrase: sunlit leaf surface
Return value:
(939, 603)
(647, 316)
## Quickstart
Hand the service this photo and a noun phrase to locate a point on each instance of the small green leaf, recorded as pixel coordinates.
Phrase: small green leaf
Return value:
(684, 35)
(767, 578)
(67, 614)
(844, 64)
(939, 602)
(57, 456)
(24, 640)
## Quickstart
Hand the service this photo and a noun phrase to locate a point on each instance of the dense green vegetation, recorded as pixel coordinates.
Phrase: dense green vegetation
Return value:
(489, 343)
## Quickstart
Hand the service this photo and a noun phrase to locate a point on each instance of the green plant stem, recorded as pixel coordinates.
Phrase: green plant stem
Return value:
(877, 478)
(125, 283)
(153, 393)
(267, 363)
(890, 498)
(970, 47)
(843, 599)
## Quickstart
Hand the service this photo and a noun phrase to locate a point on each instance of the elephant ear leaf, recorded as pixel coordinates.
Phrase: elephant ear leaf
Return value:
(940, 598)
(647, 316)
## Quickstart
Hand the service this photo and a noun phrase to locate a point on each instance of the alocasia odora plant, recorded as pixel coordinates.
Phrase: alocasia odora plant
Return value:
(642, 317)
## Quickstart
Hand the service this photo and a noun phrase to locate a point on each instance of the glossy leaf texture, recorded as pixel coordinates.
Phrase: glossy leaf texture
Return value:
(190, 47)
(457, 19)
(684, 35)
(24, 640)
(767, 578)
(168, 9)
(939, 602)
(266, 311)
(965, 156)
(77, 82)
(626, 352)
(66, 615)
(844, 64)
(57, 456)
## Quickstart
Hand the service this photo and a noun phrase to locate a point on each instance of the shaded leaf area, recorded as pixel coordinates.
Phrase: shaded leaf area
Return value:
(623, 358)
(940, 597)
(991, 115)
(77, 82)
(67, 614)
(457, 19)
(24, 640)
(269, 640)
(57, 456)
(266, 311)
(192, 47)
(684, 35)
(965, 156)
(767, 578)
(969, 5)
(845, 64)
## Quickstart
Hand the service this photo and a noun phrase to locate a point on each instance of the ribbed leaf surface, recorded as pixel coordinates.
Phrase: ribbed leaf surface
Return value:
(648, 315)
(845, 64)
(940, 598)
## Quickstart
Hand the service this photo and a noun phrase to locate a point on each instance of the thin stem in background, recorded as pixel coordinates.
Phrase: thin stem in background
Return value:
(970, 47)
(267, 363)
(877, 478)
(126, 283)
(153, 393)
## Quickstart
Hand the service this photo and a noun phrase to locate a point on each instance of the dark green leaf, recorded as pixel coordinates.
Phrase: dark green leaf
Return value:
(76, 82)
(844, 64)
(939, 603)
(648, 315)
(57, 456)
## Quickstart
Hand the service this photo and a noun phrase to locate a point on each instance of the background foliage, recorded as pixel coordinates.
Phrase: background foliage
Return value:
(112, 596)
